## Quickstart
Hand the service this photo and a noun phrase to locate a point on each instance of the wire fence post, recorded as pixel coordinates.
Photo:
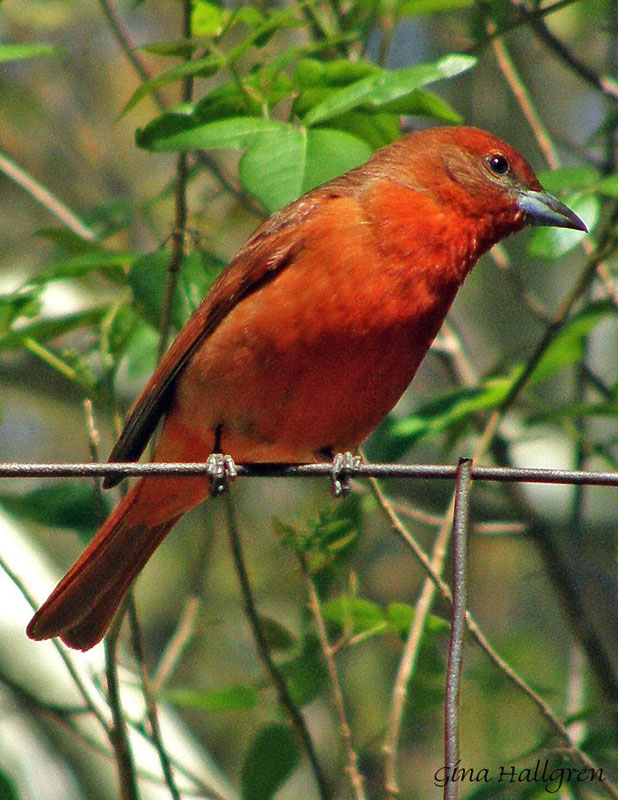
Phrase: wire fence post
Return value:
(458, 628)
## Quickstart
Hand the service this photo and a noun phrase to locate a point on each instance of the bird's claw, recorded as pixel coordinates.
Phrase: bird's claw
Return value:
(343, 464)
(220, 471)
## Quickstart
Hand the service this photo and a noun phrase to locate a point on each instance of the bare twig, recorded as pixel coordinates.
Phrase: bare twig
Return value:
(180, 207)
(508, 69)
(603, 84)
(151, 707)
(176, 645)
(127, 779)
(558, 728)
(356, 779)
(285, 699)
(46, 198)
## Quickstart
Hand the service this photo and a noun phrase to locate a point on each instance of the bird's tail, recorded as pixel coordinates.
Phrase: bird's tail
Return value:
(83, 604)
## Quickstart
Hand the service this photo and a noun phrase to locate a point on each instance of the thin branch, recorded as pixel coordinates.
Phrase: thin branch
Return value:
(46, 198)
(356, 779)
(558, 728)
(156, 736)
(285, 699)
(119, 738)
(122, 36)
(519, 89)
(62, 651)
(523, 19)
(180, 207)
(411, 650)
(606, 85)
(177, 644)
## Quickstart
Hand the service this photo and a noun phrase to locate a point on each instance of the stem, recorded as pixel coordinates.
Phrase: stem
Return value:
(356, 779)
(46, 198)
(151, 707)
(119, 738)
(285, 699)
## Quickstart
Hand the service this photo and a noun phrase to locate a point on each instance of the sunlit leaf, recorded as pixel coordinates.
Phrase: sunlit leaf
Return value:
(197, 67)
(18, 52)
(279, 167)
(233, 698)
(177, 132)
(608, 185)
(376, 91)
(569, 345)
(553, 243)
(354, 614)
(568, 179)
(411, 7)
(44, 329)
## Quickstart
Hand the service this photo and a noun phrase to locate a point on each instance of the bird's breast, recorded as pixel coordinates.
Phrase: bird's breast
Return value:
(318, 356)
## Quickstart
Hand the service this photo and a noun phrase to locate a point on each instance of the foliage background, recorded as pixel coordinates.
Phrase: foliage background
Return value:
(63, 123)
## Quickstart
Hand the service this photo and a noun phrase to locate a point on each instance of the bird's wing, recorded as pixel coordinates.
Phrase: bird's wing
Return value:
(271, 249)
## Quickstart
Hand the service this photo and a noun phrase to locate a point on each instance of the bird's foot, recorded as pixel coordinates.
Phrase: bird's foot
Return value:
(220, 471)
(343, 464)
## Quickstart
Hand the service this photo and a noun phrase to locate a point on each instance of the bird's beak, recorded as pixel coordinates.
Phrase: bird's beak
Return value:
(542, 208)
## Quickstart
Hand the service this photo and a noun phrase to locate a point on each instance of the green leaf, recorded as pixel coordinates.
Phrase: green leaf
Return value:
(569, 346)
(553, 243)
(354, 614)
(58, 504)
(8, 790)
(198, 67)
(568, 179)
(413, 7)
(401, 615)
(273, 756)
(45, 329)
(279, 167)
(233, 698)
(179, 132)
(18, 52)
(117, 330)
(111, 264)
(608, 185)
(446, 411)
(421, 103)
(22, 303)
(306, 674)
(148, 281)
(314, 73)
(69, 241)
(453, 408)
(208, 19)
(277, 635)
(376, 91)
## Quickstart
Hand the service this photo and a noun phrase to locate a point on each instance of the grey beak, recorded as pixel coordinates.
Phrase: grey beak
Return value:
(542, 208)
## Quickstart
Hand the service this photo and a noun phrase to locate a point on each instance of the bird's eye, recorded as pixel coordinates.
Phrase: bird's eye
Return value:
(498, 163)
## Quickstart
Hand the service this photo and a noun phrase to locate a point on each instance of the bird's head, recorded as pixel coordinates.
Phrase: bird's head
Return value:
(473, 171)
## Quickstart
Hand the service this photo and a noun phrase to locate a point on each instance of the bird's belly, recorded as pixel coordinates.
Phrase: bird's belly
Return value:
(315, 358)
(287, 401)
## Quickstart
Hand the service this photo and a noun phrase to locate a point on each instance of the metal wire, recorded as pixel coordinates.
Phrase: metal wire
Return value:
(322, 470)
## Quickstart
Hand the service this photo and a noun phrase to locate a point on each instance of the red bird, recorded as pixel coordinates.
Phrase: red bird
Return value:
(307, 339)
